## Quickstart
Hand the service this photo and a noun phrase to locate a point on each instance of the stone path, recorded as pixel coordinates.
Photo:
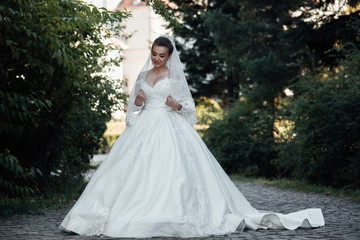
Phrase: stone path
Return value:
(342, 218)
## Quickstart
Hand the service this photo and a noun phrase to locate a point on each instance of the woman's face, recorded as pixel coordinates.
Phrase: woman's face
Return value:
(159, 56)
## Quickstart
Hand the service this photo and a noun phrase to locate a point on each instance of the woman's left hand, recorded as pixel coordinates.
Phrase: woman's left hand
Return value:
(171, 102)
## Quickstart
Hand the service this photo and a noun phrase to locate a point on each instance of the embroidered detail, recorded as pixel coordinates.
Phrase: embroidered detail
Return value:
(139, 108)
(202, 212)
(137, 139)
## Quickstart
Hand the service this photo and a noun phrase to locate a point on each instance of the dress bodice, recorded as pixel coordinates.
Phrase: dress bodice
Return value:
(156, 95)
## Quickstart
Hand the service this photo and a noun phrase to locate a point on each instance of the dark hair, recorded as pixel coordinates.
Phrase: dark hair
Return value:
(163, 42)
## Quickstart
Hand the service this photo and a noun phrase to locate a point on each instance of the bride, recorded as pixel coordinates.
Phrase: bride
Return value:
(159, 178)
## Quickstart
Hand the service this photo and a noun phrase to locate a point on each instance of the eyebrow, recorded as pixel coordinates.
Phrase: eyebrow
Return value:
(159, 53)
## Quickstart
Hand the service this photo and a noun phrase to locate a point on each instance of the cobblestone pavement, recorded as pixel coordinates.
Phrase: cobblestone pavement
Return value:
(342, 218)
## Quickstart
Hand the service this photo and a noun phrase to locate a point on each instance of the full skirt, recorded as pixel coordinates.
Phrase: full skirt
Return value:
(160, 179)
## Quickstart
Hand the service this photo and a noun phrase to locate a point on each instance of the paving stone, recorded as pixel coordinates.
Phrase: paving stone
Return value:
(342, 218)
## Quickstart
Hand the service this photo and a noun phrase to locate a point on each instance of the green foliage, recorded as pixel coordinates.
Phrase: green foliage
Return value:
(54, 98)
(107, 143)
(17, 112)
(243, 44)
(326, 146)
(203, 65)
(207, 110)
(160, 8)
(15, 180)
(57, 196)
(229, 138)
(242, 142)
(256, 49)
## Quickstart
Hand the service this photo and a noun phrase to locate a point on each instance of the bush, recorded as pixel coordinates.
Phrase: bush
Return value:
(107, 142)
(207, 110)
(15, 180)
(54, 99)
(60, 194)
(243, 141)
(326, 146)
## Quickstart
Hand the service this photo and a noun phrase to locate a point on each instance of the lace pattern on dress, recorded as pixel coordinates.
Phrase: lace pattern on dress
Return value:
(139, 108)
(202, 211)
(98, 227)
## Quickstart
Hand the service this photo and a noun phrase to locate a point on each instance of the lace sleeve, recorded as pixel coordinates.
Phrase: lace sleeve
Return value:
(132, 109)
(180, 91)
(187, 106)
(139, 108)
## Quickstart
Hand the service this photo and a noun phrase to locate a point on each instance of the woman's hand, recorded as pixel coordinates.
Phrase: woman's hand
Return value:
(170, 101)
(140, 98)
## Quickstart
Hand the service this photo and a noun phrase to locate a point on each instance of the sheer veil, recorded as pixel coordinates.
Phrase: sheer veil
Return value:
(179, 88)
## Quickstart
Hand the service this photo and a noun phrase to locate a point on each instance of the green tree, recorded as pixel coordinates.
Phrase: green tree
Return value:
(254, 50)
(54, 99)
(203, 66)
(242, 140)
(325, 143)
(231, 46)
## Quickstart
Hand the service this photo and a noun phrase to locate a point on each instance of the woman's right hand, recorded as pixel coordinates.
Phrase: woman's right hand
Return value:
(140, 98)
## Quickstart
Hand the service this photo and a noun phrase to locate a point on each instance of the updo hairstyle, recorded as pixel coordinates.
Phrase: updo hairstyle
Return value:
(163, 42)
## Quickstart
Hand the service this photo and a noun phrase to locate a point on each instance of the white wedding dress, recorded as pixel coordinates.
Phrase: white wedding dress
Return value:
(160, 179)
